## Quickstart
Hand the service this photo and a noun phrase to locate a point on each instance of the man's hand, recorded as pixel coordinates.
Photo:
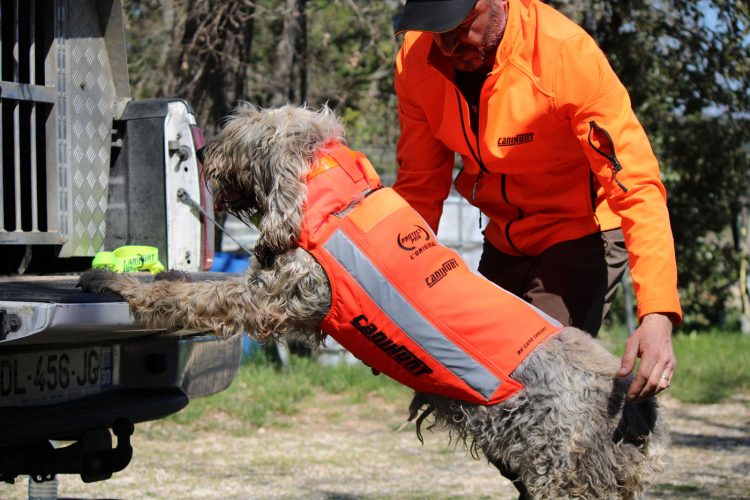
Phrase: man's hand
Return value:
(652, 342)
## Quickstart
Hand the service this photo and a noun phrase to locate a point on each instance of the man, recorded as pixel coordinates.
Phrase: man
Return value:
(552, 154)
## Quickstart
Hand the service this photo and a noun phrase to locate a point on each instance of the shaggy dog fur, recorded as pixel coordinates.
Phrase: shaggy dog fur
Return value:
(569, 434)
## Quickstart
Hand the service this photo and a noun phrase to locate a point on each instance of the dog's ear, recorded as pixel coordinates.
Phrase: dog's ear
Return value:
(287, 153)
(225, 158)
(269, 151)
(282, 200)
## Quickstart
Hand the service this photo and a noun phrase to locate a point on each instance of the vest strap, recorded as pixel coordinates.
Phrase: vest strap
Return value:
(354, 163)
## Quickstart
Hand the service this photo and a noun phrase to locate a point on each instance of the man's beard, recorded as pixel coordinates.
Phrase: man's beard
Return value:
(483, 56)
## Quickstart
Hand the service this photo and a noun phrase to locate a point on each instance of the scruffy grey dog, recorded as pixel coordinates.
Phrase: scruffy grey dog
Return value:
(570, 433)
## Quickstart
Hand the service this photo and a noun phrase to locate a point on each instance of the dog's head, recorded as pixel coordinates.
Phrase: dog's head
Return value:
(257, 167)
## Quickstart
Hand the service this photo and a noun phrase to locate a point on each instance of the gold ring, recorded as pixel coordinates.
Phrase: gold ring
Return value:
(664, 377)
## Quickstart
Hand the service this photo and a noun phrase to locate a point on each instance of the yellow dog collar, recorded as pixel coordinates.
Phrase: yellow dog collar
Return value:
(129, 259)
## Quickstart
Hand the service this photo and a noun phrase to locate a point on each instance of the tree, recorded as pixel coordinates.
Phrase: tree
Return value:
(314, 52)
(290, 70)
(206, 60)
(687, 67)
(347, 59)
(212, 40)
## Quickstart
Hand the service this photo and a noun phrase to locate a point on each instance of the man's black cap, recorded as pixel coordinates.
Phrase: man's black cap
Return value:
(437, 16)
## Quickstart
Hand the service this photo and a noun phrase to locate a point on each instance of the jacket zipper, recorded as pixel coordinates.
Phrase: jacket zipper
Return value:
(482, 169)
(476, 155)
(611, 157)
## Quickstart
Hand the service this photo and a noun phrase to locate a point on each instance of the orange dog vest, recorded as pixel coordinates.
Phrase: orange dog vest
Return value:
(401, 302)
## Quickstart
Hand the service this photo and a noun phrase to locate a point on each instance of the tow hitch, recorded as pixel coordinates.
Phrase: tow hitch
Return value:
(8, 323)
(92, 456)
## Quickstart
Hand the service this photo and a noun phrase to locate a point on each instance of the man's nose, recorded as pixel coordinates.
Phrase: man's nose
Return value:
(446, 42)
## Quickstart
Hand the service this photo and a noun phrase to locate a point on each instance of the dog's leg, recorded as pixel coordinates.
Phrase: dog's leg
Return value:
(569, 434)
(290, 296)
(465, 423)
(171, 305)
(513, 477)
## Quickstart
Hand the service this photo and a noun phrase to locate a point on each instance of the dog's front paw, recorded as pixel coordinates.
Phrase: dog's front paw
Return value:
(97, 281)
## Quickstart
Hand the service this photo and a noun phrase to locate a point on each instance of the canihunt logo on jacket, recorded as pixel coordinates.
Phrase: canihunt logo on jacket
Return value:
(401, 302)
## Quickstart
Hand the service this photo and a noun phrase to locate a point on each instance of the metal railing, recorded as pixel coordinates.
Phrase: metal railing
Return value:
(461, 229)
(27, 100)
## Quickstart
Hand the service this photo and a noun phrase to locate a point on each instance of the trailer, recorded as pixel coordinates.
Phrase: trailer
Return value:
(85, 168)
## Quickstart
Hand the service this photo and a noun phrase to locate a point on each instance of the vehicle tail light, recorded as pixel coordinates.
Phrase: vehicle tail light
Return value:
(208, 227)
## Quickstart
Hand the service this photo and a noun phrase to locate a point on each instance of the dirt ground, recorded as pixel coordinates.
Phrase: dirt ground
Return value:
(337, 450)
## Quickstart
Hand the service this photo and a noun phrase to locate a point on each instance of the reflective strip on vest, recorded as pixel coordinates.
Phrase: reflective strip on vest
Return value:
(421, 331)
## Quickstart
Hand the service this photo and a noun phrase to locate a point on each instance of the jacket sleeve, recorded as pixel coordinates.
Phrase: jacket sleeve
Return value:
(590, 95)
(425, 164)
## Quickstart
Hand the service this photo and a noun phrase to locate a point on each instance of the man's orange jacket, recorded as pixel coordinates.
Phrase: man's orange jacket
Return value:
(559, 155)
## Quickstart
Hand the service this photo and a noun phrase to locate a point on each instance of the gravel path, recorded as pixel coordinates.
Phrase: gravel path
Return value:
(337, 450)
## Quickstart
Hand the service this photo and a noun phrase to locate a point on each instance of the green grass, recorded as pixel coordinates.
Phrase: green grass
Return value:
(711, 366)
(262, 389)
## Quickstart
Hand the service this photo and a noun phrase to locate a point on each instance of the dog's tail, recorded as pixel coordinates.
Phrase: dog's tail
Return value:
(639, 418)
(641, 427)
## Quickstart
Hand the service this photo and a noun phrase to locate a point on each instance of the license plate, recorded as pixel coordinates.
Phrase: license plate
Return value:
(32, 379)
